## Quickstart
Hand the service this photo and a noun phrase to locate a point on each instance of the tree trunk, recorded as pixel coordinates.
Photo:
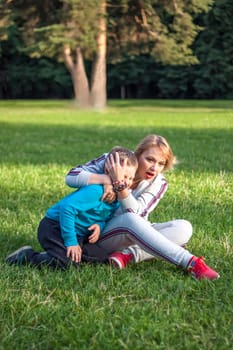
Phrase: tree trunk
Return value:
(98, 77)
(79, 77)
(81, 86)
(96, 96)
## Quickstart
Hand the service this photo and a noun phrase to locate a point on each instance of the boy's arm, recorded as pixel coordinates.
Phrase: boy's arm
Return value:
(67, 224)
(84, 199)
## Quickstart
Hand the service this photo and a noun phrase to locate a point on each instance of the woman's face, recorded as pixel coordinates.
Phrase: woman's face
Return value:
(150, 163)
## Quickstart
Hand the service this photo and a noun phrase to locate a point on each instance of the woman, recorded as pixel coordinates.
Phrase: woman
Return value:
(129, 227)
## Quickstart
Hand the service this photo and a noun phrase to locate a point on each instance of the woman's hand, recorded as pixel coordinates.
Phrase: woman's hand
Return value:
(109, 195)
(115, 169)
(96, 233)
(74, 252)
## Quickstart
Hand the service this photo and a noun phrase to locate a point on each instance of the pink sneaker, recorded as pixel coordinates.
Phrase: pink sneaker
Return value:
(120, 259)
(199, 270)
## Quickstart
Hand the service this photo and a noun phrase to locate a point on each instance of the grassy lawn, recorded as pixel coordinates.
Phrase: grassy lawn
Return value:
(148, 306)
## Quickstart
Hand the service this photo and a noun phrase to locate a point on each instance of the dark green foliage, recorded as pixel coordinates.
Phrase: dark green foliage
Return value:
(134, 77)
(132, 73)
(23, 80)
(25, 77)
(163, 29)
(214, 47)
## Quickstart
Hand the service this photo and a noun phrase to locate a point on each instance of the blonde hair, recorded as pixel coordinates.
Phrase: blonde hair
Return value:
(162, 144)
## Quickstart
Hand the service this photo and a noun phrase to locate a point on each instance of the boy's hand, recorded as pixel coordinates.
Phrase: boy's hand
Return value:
(96, 233)
(109, 195)
(74, 252)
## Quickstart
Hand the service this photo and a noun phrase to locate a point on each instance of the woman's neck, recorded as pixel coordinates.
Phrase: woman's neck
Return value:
(136, 182)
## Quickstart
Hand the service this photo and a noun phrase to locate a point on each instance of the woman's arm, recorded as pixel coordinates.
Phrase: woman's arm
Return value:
(145, 198)
(89, 173)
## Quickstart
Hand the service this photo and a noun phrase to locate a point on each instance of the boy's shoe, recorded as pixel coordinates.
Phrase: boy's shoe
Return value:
(120, 259)
(19, 257)
(199, 270)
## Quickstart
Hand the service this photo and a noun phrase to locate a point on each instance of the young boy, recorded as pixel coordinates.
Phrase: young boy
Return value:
(77, 218)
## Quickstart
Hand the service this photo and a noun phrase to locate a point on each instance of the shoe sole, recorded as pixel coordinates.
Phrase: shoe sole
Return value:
(204, 278)
(17, 252)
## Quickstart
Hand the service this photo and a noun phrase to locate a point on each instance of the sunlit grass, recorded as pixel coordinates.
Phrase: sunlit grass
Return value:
(152, 305)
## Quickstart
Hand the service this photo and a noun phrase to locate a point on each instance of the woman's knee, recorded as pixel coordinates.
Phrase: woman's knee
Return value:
(186, 230)
(177, 231)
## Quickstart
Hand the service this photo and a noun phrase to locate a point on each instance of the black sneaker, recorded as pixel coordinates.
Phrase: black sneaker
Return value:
(19, 257)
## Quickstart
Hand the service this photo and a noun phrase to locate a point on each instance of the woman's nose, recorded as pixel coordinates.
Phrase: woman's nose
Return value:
(153, 166)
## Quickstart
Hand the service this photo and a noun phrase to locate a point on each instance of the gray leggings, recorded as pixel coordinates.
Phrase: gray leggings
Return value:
(146, 240)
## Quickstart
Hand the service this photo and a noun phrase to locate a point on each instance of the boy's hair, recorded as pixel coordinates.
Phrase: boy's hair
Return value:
(124, 153)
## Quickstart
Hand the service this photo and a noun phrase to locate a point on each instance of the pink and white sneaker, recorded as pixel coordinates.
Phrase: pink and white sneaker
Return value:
(120, 259)
(199, 270)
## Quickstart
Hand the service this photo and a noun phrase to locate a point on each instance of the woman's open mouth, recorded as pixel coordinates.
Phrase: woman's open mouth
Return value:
(150, 175)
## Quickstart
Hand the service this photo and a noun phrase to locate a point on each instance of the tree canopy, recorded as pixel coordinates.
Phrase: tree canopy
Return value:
(87, 36)
(77, 30)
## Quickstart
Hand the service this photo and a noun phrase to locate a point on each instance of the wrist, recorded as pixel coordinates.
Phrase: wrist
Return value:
(119, 185)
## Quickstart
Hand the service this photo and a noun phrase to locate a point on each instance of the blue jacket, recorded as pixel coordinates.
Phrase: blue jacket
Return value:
(79, 210)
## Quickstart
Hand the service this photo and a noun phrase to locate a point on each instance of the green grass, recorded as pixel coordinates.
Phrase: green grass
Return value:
(148, 306)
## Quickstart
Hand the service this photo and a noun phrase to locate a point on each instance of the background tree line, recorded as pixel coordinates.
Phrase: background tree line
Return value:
(153, 49)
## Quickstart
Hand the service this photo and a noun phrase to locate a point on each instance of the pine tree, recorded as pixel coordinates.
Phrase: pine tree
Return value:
(77, 31)
(214, 48)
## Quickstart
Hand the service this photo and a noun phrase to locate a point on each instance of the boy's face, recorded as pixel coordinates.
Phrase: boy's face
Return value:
(129, 174)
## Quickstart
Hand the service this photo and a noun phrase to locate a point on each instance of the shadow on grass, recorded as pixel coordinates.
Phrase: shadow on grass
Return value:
(190, 104)
(124, 103)
(200, 150)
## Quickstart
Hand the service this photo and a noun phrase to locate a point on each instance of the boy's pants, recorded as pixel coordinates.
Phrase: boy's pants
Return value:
(49, 236)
